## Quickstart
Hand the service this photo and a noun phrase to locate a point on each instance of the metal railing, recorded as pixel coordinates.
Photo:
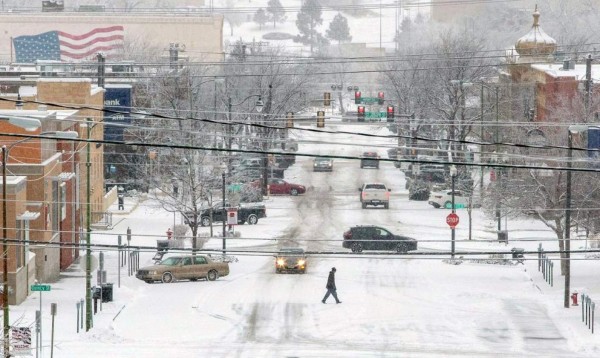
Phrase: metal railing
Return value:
(587, 311)
(546, 266)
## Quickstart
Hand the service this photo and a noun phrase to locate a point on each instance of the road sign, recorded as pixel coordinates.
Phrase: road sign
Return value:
(40, 287)
(452, 220)
(375, 115)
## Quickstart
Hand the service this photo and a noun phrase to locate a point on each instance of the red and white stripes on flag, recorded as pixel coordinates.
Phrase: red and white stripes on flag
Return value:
(107, 40)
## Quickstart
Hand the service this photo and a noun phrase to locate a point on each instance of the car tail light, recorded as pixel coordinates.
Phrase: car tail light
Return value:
(364, 195)
(387, 195)
(438, 196)
(347, 235)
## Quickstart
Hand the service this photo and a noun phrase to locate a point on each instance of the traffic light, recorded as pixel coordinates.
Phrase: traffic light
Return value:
(327, 99)
(390, 113)
(361, 114)
(380, 98)
(289, 120)
(320, 119)
(357, 97)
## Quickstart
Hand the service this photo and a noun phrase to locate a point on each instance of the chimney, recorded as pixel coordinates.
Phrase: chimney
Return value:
(19, 103)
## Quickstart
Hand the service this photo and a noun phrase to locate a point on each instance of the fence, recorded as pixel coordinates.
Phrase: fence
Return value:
(546, 266)
(587, 311)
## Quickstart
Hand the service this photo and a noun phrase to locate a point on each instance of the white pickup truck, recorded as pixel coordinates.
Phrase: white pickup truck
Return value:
(374, 194)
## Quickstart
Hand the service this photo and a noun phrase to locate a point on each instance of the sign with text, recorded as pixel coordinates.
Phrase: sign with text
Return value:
(117, 110)
(452, 220)
(38, 287)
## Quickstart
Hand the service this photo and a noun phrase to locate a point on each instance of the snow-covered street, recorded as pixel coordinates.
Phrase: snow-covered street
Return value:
(392, 305)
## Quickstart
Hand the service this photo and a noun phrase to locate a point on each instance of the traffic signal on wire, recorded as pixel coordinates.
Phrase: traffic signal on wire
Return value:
(327, 99)
(320, 119)
(390, 113)
(380, 98)
(289, 120)
(357, 97)
(361, 114)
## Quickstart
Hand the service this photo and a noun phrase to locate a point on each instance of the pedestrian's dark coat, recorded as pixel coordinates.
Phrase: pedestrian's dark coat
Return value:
(331, 281)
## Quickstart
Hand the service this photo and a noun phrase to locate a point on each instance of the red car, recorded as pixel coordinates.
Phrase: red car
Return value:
(280, 186)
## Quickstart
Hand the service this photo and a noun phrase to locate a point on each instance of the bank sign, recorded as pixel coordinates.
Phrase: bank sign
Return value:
(117, 111)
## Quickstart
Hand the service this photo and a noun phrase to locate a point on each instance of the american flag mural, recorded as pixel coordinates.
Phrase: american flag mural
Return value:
(63, 46)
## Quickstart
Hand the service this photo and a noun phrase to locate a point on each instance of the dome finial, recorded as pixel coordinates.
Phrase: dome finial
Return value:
(536, 42)
(536, 17)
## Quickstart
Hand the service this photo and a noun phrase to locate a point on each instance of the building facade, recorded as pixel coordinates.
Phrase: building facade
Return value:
(199, 36)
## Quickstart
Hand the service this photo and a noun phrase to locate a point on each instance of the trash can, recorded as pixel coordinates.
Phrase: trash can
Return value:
(107, 292)
(162, 245)
(503, 236)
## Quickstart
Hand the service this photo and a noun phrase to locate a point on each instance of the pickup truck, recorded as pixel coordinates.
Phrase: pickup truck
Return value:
(246, 213)
(374, 194)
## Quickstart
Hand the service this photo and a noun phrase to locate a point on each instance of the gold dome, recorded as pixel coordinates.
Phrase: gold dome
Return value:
(536, 42)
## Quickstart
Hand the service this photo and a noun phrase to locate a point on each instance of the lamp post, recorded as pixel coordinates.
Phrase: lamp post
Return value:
(453, 173)
(5, 152)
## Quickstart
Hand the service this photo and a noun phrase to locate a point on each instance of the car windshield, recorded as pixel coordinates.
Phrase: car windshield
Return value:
(291, 252)
(171, 261)
(322, 159)
(375, 186)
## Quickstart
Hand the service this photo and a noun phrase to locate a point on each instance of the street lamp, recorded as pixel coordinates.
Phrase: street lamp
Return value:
(29, 122)
(453, 173)
(223, 172)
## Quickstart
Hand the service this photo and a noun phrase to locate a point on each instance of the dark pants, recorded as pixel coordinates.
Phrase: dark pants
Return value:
(331, 291)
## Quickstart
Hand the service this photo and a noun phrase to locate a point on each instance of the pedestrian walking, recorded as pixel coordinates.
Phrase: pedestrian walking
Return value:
(331, 289)
(121, 200)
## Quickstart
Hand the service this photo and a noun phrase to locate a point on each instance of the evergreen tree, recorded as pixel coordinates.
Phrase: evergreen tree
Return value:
(309, 17)
(276, 10)
(338, 29)
(261, 17)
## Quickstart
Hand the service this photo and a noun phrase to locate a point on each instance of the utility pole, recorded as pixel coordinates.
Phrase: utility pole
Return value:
(499, 170)
(588, 83)
(481, 146)
(101, 69)
(88, 258)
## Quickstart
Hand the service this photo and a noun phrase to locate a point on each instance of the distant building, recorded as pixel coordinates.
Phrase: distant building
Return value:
(78, 36)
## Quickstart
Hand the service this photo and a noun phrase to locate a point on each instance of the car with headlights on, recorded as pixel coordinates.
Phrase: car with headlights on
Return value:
(323, 164)
(184, 267)
(290, 259)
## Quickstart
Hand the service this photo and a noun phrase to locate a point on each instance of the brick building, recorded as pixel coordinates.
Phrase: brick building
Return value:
(55, 187)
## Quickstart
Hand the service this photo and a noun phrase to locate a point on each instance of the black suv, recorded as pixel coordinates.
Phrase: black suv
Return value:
(369, 159)
(369, 237)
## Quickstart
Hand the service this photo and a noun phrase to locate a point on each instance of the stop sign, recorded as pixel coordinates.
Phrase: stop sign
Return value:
(452, 220)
